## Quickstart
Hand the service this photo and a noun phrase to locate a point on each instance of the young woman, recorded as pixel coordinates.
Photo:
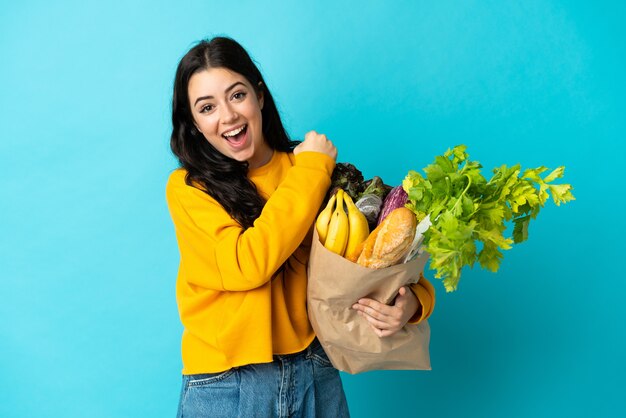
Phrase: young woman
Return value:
(243, 205)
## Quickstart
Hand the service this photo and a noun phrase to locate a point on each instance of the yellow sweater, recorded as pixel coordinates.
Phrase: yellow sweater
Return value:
(242, 293)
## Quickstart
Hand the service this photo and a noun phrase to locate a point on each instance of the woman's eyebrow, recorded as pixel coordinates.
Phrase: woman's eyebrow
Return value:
(232, 86)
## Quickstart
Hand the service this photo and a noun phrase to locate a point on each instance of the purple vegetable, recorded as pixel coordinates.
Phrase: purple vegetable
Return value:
(396, 198)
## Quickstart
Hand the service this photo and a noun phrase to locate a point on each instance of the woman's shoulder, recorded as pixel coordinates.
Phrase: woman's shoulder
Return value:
(177, 189)
(177, 178)
(177, 181)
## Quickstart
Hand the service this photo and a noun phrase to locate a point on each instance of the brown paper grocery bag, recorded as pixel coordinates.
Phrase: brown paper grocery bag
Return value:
(334, 285)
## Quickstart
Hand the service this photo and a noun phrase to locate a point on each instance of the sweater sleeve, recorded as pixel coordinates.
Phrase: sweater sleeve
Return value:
(217, 253)
(425, 293)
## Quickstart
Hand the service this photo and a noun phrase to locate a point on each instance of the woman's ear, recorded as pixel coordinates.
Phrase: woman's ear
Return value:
(260, 96)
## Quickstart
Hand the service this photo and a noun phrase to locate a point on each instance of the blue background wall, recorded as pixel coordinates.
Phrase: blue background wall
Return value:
(88, 258)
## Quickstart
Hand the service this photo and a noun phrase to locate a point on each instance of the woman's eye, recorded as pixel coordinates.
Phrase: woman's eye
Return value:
(206, 108)
(239, 95)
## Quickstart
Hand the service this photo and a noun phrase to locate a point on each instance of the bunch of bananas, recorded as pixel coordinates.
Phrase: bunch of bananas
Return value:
(341, 231)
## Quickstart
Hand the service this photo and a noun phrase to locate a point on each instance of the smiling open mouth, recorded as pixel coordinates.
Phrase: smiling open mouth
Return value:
(236, 135)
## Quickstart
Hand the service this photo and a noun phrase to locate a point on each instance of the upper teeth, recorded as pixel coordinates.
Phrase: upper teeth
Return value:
(234, 131)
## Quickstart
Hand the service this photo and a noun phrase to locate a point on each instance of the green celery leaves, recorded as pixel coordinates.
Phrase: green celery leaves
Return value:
(469, 212)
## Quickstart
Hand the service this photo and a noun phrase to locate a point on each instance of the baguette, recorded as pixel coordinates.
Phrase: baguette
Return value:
(390, 241)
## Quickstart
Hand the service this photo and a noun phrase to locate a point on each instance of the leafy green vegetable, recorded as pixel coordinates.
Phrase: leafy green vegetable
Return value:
(347, 177)
(375, 186)
(469, 212)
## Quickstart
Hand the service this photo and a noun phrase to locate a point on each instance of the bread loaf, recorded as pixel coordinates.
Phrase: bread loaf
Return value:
(390, 241)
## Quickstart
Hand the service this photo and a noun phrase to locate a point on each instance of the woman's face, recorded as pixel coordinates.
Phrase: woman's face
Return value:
(227, 110)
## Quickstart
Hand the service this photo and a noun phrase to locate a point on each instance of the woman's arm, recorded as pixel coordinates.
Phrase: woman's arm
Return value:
(412, 305)
(217, 253)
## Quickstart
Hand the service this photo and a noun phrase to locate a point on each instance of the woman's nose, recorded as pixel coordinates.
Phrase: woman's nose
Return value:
(228, 114)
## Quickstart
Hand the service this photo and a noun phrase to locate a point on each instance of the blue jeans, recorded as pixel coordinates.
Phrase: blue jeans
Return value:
(294, 385)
